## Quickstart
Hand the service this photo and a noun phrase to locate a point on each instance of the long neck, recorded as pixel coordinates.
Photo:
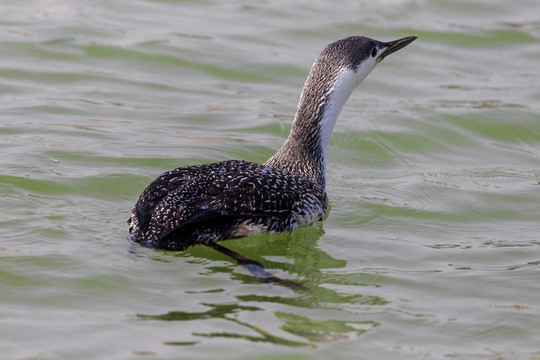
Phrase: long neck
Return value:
(323, 97)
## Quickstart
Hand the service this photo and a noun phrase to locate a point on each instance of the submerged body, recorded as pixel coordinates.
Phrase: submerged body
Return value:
(201, 204)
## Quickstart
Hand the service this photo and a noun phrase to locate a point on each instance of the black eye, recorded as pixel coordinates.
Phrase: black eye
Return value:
(374, 52)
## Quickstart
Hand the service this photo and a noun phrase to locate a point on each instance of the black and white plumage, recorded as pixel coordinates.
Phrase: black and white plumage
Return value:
(201, 204)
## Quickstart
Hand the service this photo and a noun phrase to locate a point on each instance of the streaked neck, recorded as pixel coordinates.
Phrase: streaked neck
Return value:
(323, 97)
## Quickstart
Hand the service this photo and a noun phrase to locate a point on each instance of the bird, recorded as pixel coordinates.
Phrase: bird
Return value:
(207, 203)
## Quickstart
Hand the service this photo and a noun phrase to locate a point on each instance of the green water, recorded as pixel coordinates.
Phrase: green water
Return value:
(432, 246)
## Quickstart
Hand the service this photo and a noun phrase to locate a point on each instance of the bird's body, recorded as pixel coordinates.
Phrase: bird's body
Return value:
(201, 204)
(212, 202)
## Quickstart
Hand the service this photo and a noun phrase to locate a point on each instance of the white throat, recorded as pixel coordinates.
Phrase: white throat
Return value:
(345, 84)
(304, 151)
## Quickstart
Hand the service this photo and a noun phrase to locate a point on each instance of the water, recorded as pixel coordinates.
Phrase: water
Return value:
(431, 248)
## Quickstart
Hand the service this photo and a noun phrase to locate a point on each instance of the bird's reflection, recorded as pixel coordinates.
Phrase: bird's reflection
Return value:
(257, 269)
(299, 263)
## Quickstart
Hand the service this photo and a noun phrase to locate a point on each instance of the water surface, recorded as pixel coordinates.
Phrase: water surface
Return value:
(431, 248)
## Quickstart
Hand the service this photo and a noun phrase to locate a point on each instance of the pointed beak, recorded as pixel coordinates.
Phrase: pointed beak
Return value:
(393, 46)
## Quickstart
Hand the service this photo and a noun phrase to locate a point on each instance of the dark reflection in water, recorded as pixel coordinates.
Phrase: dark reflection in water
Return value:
(257, 269)
(292, 255)
(222, 312)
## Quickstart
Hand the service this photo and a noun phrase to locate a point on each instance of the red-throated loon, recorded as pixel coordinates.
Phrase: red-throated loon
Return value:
(200, 204)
